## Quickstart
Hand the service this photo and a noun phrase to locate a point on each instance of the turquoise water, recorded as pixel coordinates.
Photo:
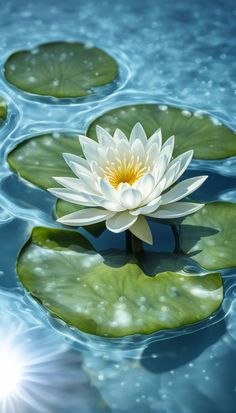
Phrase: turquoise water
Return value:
(178, 53)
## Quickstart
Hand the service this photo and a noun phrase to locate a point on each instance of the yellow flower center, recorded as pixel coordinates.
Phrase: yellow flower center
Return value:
(124, 171)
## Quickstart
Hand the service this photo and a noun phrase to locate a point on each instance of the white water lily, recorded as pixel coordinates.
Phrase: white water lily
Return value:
(123, 180)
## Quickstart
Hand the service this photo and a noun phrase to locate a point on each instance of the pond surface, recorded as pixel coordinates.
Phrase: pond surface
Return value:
(173, 53)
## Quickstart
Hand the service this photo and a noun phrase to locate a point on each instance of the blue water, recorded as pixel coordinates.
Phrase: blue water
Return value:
(173, 52)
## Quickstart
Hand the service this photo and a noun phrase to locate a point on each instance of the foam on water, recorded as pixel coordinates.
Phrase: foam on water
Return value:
(174, 53)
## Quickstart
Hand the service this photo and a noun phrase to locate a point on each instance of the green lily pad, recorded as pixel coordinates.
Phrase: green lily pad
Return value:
(60, 69)
(208, 236)
(110, 295)
(63, 208)
(40, 158)
(3, 110)
(208, 140)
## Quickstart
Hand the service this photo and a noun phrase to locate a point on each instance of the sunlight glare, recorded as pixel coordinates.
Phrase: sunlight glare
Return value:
(10, 372)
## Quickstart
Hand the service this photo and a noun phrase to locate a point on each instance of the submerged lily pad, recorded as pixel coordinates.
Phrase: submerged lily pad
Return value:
(40, 158)
(208, 140)
(60, 69)
(111, 295)
(209, 237)
(3, 110)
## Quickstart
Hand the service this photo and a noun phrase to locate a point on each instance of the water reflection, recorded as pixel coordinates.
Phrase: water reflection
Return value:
(40, 372)
(166, 355)
(181, 374)
(178, 374)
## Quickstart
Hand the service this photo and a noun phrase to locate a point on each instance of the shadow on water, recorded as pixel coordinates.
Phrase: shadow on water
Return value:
(165, 355)
(193, 234)
(158, 259)
(162, 235)
(152, 263)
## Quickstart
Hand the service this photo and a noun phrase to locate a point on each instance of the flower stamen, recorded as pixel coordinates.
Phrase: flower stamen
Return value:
(124, 171)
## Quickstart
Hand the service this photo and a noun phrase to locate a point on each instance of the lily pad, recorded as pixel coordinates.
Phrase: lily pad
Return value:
(60, 69)
(3, 110)
(207, 139)
(40, 158)
(208, 236)
(110, 295)
(63, 208)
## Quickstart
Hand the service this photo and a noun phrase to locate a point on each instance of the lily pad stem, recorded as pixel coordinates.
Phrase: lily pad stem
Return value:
(133, 244)
(137, 245)
(176, 237)
(128, 241)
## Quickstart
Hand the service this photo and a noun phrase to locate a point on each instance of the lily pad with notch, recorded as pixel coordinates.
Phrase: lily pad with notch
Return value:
(200, 133)
(110, 294)
(208, 237)
(60, 69)
(39, 158)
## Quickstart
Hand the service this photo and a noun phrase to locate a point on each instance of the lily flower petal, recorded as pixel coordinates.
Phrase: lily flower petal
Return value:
(155, 138)
(177, 167)
(123, 149)
(137, 149)
(149, 208)
(107, 189)
(69, 157)
(120, 222)
(168, 147)
(71, 183)
(70, 196)
(153, 153)
(89, 181)
(86, 216)
(101, 155)
(131, 198)
(142, 230)
(106, 203)
(119, 135)
(182, 189)
(95, 168)
(156, 192)
(122, 187)
(176, 210)
(138, 133)
(145, 184)
(79, 169)
(104, 138)
(161, 165)
(90, 147)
